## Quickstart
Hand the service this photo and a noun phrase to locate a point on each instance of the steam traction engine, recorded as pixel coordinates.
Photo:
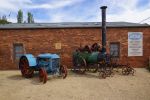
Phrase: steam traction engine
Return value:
(44, 63)
(94, 57)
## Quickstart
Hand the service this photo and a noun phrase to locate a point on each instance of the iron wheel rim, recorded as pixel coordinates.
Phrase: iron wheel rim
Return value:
(26, 71)
(42, 75)
(63, 71)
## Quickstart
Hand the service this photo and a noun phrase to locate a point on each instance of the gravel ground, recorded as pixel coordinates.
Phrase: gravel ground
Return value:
(76, 87)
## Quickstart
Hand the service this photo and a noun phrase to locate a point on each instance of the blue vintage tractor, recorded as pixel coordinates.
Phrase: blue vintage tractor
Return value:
(44, 63)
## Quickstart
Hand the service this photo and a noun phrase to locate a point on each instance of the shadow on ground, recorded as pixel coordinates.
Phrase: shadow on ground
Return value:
(35, 79)
(15, 77)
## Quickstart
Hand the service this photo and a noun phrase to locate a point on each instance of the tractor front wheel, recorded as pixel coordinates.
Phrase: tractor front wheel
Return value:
(42, 75)
(63, 71)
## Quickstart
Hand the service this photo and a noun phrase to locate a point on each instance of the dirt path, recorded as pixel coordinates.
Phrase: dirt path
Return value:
(76, 87)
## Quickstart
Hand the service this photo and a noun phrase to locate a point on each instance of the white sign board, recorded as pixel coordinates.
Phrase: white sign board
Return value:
(135, 44)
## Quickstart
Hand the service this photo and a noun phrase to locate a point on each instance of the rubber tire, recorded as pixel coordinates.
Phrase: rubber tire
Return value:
(26, 71)
(63, 71)
(43, 75)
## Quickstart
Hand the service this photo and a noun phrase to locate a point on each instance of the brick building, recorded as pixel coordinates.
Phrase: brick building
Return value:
(64, 38)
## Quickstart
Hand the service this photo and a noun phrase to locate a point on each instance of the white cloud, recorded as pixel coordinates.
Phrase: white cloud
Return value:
(13, 5)
(55, 4)
(128, 12)
(124, 10)
(131, 12)
(130, 16)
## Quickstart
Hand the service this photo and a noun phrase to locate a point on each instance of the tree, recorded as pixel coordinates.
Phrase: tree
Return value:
(30, 18)
(20, 16)
(3, 20)
(4, 17)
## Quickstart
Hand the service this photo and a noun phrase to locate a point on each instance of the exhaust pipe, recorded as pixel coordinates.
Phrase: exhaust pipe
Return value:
(103, 8)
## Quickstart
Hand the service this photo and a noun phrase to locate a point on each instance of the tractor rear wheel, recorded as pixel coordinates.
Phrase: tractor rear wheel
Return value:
(43, 75)
(26, 71)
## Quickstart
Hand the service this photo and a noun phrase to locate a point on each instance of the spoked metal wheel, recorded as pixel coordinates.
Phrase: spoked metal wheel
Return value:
(132, 71)
(42, 75)
(109, 70)
(63, 71)
(125, 71)
(94, 68)
(81, 65)
(102, 71)
(26, 71)
(102, 74)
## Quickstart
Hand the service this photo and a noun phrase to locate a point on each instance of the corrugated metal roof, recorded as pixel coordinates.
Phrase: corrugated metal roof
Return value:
(70, 25)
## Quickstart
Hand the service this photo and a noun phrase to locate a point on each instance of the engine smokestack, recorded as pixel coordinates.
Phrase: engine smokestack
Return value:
(103, 8)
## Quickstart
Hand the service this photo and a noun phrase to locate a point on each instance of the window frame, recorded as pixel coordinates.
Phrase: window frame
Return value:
(14, 50)
(118, 45)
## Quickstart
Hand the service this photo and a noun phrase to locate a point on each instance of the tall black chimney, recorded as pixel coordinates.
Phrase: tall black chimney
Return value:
(103, 8)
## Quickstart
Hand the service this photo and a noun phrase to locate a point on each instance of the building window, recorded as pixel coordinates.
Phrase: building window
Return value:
(18, 50)
(115, 49)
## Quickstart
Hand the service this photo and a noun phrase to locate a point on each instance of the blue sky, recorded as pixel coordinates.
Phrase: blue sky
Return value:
(48, 11)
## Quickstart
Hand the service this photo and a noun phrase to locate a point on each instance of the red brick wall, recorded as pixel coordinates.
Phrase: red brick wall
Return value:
(38, 41)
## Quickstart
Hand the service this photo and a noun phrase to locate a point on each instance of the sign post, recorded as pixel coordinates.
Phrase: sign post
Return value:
(135, 44)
